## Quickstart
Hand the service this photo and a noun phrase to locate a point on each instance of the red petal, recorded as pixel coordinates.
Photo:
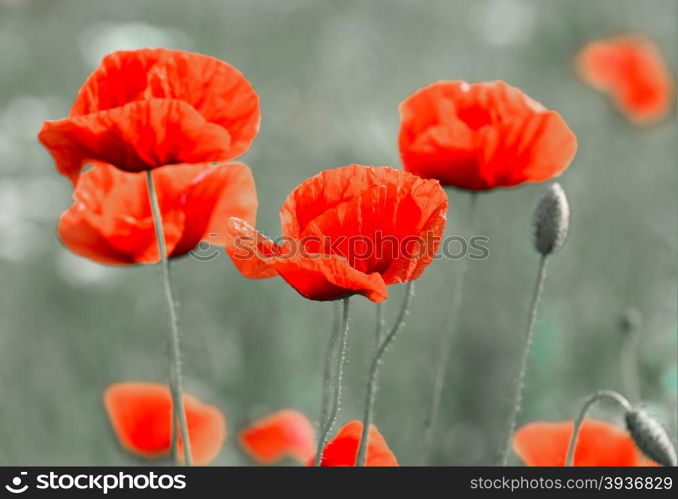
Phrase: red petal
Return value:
(111, 215)
(329, 277)
(342, 450)
(141, 412)
(284, 433)
(633, 71)
(599, 444)
(392, 226)
(138, 136)
(482, 136)
(252, 252)
(111, 222)
(214, 196)
(218, 91)
(314, 276)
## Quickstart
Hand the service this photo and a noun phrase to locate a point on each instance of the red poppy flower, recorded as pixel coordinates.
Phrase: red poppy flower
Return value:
(351, 230)
(141, 413)
(284, 433)
(143, 109)
(342, 450)
(599, 444)
(631, 69)
(111, 222)
(482, 136)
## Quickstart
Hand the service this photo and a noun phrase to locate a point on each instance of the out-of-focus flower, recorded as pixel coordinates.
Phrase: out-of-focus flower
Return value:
(111, 222)
(632, 71)
(350, 230)
(286, 433)
(141, 414)
(599, 444)
(342, 450)
(143, 109)
(482, 136)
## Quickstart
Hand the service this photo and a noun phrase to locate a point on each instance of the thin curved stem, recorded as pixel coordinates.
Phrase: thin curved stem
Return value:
(333, 376)
(381, 324)
(176, 390)
(374, 371)
(629, 366)
(431, 421)
(520, 384)
(599, 395)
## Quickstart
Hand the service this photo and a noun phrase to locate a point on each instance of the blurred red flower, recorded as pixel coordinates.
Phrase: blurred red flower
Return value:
(110, 220)
(143, 109)
(286, 433)
(342, 450)
(482, 136)
(141, 413)
(599, 444)
(632, 71)
(350, 230)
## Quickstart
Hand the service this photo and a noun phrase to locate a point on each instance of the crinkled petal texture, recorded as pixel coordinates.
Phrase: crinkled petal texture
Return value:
(632, 70)
(342, 450)
(286, 433)
(140, 414)
(599, 444)
(354, 229)
(143, 109)
(111, 222)
(482, 136)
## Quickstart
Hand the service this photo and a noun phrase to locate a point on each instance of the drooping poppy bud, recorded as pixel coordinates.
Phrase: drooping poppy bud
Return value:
(651, 437)
(551, 220)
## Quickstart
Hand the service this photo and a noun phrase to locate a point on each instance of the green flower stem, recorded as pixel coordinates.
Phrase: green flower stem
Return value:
(520, 382)
(381, 324)
(382, 346)
(334, 370)
(178, 413)
(629, 363)
(431, 421)
(599, 395)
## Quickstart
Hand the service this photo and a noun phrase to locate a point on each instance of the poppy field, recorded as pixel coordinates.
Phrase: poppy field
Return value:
(356, 233)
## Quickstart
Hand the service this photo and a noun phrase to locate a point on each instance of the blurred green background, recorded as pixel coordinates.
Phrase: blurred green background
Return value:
(331, 75)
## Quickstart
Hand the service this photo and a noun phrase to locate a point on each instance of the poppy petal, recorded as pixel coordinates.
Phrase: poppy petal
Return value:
(482, 136)
(217, 90)
(215, 195)
(632, 70)
(392, 227)
(314, 276)
(206, 431)
(284, 433)
(114, 205)
(599, 444)
(329, 277)
(342, 450)
(138, 136)
(251, 252)
(110, 220)
(140, 414)
(85, 239)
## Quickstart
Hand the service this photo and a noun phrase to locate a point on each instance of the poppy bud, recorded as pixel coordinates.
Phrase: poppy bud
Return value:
(651, 437)
(631, 320)
(551, 220)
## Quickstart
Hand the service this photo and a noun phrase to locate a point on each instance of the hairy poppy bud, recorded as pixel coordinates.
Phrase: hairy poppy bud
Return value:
(651, 437)
(551, 220)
